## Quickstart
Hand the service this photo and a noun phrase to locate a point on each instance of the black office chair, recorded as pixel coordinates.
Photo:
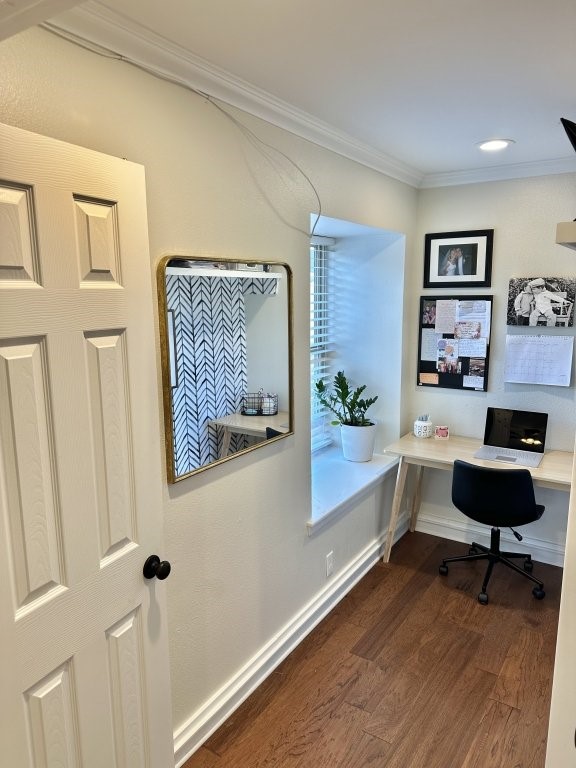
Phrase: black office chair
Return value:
(499, 498)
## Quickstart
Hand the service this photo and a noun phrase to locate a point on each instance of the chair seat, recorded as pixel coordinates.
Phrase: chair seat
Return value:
(504, 519)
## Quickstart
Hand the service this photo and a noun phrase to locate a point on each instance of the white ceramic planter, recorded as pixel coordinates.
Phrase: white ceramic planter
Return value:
(358, 442)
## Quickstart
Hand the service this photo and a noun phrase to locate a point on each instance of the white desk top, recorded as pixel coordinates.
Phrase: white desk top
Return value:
(555, 470)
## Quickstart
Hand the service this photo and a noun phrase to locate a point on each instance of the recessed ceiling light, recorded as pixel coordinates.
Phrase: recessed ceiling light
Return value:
(494, 145)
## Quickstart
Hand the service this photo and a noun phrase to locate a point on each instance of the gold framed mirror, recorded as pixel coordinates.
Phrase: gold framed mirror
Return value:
(226, 355)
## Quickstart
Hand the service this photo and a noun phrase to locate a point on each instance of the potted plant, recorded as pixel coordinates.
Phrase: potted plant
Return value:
(347, 404)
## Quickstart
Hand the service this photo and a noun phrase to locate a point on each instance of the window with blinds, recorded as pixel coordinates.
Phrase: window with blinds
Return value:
(321, 338)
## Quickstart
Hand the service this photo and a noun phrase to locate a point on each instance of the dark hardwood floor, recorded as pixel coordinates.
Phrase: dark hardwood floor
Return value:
(408, 671)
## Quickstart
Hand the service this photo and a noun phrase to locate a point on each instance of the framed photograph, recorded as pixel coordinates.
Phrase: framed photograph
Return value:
(541, 301)
(458, 259)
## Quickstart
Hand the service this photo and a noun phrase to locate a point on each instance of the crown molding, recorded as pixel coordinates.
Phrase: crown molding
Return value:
(500, 173)
(96, 24)
(18, 15)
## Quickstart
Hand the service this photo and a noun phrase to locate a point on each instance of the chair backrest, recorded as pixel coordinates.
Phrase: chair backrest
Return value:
(495, 497)
(564, 313)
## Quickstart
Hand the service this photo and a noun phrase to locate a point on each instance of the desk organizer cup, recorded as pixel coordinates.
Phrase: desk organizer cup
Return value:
(259, 404)
(423, 428)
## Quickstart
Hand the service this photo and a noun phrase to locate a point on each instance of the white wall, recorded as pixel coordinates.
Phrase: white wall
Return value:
(267, 341)
(369, 275)
(523, 214)
(243, 566)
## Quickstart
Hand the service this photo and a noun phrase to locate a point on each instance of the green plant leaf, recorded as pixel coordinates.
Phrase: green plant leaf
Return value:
(344, 402)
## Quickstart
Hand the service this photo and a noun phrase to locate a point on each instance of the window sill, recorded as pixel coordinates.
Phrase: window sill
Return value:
(337, 483)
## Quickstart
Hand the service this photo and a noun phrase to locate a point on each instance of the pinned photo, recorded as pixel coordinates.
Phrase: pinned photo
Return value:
(541, 301)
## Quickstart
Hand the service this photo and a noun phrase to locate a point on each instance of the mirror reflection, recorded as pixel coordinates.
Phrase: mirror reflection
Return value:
(225, 331)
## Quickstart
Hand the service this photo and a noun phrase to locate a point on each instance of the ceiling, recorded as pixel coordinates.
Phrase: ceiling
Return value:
(405, 86)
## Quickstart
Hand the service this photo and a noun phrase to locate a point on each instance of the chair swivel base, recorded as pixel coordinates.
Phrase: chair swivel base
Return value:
(494, 555)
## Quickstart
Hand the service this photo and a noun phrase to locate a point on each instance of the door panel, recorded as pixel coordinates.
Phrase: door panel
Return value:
(52, 721)
(106, 358)
(83, 634)
(26, 432)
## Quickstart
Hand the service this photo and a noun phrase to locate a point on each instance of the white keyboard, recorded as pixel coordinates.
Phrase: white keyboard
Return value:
(509, 455)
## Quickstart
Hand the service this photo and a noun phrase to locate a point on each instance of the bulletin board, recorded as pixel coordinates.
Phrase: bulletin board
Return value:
(454, 342)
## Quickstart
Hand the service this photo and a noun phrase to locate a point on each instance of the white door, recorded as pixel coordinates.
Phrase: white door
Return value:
(561, 747)
(83, 639)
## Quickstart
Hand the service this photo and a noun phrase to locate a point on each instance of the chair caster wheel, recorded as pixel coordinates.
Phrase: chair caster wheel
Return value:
(443, 570)
(528, 566)
(483, 598)
(538, 593)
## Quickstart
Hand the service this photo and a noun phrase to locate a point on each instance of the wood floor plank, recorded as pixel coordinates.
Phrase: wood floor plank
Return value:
(406, 637)
(498, 626)
(496, 731)
(402, 642)
(204, 758)
(292, 722)
(527, 741)
(397, 609)
(367, 607)
(526, 679)
(248, 711)
(423, 681)
(366, 691)
(520, 671)
(536, 700)
(341, 732)
(288, 673)
(412, 550)
(509, 737)
(440, 681)
(367, 751)
(443, 720)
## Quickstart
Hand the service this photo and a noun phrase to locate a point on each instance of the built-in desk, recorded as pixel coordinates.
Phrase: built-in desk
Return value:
(555, 470)
(249, 425)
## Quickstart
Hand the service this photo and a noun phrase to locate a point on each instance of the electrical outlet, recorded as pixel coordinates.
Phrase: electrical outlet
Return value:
(329, 563)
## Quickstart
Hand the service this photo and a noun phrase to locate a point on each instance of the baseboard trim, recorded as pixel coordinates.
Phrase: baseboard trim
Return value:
(542, 551)
(194, 732)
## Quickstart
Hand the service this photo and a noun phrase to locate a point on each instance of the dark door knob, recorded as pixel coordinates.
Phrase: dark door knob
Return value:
(156, 567)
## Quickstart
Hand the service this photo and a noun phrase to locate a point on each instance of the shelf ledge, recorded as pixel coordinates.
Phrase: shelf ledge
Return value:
(566, 234)
(337, 483)
(210, 272)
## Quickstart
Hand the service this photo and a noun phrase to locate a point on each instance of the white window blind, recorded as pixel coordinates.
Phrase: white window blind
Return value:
(321, 338)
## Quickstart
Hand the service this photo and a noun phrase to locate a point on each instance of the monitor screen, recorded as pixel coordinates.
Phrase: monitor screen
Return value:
(524, 430)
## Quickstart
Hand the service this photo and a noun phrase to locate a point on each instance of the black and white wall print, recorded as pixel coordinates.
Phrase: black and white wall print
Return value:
(541, 301)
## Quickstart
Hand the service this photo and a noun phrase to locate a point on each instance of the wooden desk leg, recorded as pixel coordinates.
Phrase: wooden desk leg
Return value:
(225, 447)
(417, 498)
(396, 503)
